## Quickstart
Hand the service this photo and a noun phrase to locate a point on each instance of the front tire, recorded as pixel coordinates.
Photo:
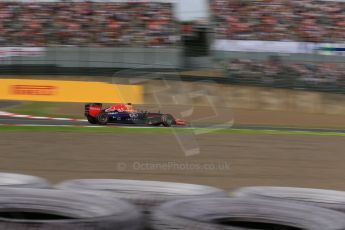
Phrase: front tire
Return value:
(102, 118)
(167, 120)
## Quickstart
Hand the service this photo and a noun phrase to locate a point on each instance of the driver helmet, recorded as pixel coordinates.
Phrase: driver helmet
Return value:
(129, 107)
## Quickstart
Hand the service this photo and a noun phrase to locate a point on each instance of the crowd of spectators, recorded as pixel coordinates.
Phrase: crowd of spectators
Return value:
(95, 24)
(277, 73)
(280, 20)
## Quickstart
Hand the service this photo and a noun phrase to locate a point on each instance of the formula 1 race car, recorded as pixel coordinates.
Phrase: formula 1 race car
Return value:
(125, 114)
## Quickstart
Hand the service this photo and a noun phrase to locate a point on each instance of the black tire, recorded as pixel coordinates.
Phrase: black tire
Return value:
(92, 120)
(146, 194)
(22, 181)
(237, 213)
(102, 118)
(47, 209)
(167, 120)
(319, 197)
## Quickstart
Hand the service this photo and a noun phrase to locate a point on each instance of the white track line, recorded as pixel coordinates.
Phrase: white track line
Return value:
(20, 116)
(133, 127)
(81, 126)
(2, 113)
(34, 125)
(6, 114)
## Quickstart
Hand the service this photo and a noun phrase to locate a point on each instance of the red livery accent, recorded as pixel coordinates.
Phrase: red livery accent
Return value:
(117, 107)
(94, 111)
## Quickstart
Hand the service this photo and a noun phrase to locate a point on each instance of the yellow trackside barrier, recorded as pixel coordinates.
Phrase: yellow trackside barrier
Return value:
(69, 91)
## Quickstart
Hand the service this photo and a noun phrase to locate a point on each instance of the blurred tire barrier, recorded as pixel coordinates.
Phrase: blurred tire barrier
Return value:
(22, 181)
(320, 197)
(145, 194)
(47, 209)
(243, 213)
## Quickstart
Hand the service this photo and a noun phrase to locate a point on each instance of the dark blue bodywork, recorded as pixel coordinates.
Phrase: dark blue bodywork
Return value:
(131, 117)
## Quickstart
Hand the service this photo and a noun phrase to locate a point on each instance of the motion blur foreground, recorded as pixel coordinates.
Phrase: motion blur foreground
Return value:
(260, 85)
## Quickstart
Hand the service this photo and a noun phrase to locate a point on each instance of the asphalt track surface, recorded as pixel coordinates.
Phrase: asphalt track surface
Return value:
(4, 120)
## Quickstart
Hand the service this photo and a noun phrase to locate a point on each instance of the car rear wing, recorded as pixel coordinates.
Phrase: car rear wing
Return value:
(93, 109)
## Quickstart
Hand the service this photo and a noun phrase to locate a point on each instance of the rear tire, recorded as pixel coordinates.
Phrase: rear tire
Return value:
(102, 118)
(91, 120)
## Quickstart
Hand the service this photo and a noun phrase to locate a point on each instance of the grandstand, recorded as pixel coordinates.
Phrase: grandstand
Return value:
(87, 23)
(281, 43)
(287, 74)
(275, 43)
(280, 20)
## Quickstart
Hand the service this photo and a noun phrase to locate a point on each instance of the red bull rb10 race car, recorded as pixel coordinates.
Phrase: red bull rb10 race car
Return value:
(125, 114)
